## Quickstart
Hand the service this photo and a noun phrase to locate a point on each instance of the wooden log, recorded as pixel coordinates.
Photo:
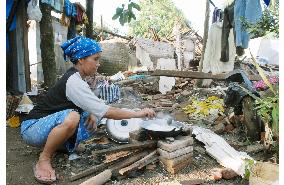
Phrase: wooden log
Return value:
(197, 75)
(140, 145)
(153, 160)
(129, 161)
(178, 143)
(175, 161)
(174, 154)
(99, 179)
(90, 171)
(141, 162)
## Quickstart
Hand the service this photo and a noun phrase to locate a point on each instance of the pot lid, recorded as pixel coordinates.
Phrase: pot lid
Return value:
(118, 130)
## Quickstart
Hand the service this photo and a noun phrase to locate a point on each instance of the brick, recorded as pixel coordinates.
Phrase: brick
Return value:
(179, 143)
(177, 168)
(176, 153)
(175, 161)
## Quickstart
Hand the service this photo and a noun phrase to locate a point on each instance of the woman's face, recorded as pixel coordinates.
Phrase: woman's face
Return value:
(90, 64)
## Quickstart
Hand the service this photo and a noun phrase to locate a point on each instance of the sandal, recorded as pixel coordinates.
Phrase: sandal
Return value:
(43, 180)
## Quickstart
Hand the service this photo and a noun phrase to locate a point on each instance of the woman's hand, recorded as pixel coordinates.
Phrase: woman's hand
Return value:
(146, 112)
(91, 123)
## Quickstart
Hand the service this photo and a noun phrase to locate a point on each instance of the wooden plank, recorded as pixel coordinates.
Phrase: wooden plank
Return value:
(197, 75)
(99, 179)
(140, 145)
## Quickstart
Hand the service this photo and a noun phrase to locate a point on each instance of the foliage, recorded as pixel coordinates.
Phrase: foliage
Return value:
(248, 166)
(125, 15)
(159, 15)
(267, 107)
(269, 23)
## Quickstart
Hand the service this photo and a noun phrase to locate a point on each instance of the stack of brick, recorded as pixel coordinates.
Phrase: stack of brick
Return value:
(175, 153)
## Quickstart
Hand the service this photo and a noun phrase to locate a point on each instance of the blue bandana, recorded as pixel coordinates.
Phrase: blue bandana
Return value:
(80, 47)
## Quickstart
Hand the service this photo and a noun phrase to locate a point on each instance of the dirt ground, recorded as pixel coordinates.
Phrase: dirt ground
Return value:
(21, 157)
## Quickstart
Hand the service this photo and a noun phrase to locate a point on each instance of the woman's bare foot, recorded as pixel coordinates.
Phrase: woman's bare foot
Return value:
(43, 170)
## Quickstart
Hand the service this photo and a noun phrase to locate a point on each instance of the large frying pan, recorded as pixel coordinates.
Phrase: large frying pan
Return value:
(161, 128)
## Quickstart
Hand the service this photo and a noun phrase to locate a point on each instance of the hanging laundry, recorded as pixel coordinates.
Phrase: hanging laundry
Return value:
(211, 62)
(79, 17)
(266, 2)
(228, 24)
(252, 12)
(70, 9)
(217, 15)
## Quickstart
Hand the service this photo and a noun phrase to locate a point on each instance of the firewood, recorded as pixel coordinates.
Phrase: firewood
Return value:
(99, 179)
(104, 176)
(113, 164)
(115, 156)
(142, 162)
(140, 145)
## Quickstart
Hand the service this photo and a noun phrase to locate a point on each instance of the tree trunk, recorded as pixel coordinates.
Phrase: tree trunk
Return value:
(47, 46)
(89, 12)
(205, 34)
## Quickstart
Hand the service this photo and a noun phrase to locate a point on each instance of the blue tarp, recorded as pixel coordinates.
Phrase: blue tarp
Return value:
(9, 5)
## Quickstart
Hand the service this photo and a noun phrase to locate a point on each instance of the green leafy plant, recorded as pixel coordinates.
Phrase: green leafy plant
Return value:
(160, 16)
(269, 23)
(125, 15)
(248, 166)
(267, 106)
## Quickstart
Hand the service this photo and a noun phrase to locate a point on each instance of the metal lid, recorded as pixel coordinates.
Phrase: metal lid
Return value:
(118, 130)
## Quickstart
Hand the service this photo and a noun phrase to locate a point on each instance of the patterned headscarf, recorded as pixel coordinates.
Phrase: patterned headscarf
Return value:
(80, 47)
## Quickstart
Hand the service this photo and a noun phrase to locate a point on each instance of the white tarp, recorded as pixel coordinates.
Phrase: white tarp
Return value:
(266, 50)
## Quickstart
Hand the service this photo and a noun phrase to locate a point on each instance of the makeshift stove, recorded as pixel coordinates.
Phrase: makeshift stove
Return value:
(144, 142)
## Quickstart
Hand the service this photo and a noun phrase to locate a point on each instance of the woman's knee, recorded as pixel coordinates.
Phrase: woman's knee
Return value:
(72, 120)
